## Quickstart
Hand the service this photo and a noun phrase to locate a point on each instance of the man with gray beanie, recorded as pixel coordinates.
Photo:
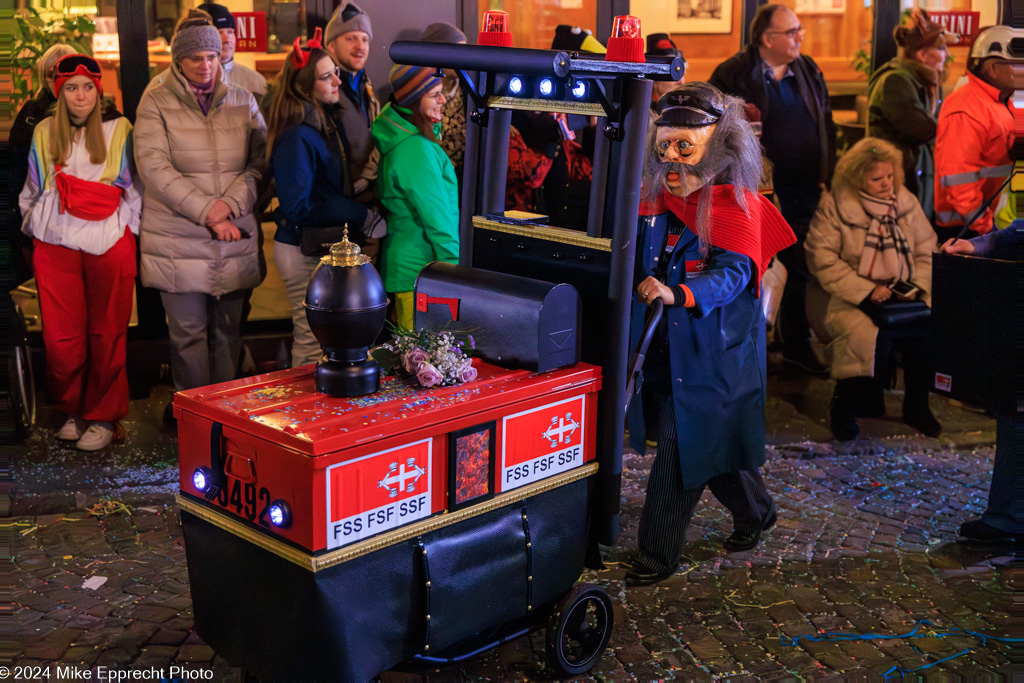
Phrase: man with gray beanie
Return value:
(237, 74)
(347, 39)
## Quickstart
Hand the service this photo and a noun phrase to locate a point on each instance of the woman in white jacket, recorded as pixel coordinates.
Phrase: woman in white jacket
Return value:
(81, 209)
(200, 152)
(868, 232)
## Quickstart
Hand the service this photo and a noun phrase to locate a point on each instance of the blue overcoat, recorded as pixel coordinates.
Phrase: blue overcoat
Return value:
(716, 354)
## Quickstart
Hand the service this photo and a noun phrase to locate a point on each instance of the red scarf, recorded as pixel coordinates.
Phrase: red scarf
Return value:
(759, 233)
(85, 199)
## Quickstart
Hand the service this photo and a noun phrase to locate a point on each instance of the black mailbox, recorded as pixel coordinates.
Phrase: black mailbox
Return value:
(516, 321)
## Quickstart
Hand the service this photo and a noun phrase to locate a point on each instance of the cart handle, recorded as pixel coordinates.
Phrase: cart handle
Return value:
(651, 320)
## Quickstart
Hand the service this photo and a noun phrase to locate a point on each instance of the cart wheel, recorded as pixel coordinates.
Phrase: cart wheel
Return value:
(579, 630)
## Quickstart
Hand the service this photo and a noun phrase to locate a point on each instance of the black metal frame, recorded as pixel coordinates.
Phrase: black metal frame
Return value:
(453, 463)
(624, 91)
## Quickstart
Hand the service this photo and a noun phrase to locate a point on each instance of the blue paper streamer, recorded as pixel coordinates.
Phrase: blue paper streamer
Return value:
(913, 633)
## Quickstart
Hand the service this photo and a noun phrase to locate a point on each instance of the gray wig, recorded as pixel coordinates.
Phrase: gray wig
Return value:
(732, 157)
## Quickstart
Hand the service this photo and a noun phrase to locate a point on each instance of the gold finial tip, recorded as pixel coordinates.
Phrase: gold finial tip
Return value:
(345, 253)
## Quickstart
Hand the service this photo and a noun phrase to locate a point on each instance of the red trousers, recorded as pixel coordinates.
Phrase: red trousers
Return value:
(86, 304)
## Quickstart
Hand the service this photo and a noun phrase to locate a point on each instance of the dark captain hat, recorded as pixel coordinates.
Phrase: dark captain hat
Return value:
(693, 105)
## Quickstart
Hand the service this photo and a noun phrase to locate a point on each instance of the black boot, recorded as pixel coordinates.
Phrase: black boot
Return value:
(872, 398)
(918, 415)
(842, 417)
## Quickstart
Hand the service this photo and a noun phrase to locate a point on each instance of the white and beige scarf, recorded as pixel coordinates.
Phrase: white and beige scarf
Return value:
(886, 255)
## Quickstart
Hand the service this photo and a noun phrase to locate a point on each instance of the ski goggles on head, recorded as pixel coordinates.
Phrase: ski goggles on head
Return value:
(76, 65)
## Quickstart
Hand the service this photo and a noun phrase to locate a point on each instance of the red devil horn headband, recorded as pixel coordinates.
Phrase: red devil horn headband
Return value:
(300, 54)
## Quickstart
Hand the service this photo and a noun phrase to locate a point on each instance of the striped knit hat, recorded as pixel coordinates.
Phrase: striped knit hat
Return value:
(410, 83)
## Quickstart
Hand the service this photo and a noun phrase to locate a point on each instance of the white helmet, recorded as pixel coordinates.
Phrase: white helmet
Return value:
(999, 41)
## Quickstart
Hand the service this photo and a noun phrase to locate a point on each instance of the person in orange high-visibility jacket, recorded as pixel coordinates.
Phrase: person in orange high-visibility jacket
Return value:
(975, 135)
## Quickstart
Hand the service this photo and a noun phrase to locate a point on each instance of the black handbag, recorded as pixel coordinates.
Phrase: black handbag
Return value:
(317, 240)
(895, 313)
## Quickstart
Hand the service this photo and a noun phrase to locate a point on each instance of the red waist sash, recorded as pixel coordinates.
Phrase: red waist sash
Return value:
(85, 199)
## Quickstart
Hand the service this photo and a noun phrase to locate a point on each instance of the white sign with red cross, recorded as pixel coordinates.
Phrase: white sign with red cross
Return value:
(541, 442)
(378, 492)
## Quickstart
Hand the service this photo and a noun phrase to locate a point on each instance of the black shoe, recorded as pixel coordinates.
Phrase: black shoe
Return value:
(843, 425)
(738, 541)
(977, 531)
(923, 421)
(641, 576)
(806, 361)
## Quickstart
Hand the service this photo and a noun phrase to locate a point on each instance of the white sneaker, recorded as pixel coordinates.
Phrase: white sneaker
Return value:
(72, 429)
(97, 436)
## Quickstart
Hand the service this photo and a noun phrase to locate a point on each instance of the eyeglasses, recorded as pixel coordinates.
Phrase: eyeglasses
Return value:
(682, 147)
(792, 33)
(326, 78)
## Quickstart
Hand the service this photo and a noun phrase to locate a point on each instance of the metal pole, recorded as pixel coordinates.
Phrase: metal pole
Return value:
(883, 44)
(481, 58)
(747, 11)
(607, 10)
(470, 173)
(495, 156)
(134, 65)
(598, 184)
(623, 211)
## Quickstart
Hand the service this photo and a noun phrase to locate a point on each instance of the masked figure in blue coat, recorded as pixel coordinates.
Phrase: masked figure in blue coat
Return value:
(705, 239)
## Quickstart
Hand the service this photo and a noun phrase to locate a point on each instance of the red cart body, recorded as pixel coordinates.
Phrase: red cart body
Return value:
(351, 469)
(492, 473)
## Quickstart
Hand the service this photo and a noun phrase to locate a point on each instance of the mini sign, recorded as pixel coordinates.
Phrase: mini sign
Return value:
(964, 25)
(378, 492)
(541, 442)
(251, 31)
(943, 382)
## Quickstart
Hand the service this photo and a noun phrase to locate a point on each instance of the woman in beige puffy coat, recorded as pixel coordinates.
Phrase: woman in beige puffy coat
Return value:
(869, 231)
(200, 149)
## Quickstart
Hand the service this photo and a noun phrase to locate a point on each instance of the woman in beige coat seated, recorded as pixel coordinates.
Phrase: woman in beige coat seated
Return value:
(868, 234)
(200, 148)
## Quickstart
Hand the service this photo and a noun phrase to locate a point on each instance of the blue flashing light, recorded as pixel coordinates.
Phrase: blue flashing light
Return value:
(515, 86)
(280, 514)
(201, 479)
(546, 87)
(579, 91)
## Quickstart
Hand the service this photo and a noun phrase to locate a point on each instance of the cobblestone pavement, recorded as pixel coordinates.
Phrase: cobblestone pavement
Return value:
(863, 545)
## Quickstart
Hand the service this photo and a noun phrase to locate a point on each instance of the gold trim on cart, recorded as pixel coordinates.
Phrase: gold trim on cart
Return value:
(317, 563)
(546, 232)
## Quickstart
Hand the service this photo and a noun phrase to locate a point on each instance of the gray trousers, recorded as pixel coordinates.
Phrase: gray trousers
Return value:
(205, 336)
(295, 269)
(669, 507)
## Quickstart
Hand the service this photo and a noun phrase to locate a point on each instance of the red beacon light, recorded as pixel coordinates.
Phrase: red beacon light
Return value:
(495, 29)
(626, 43)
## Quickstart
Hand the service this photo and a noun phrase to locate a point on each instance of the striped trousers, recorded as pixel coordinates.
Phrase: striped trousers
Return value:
(669, 507)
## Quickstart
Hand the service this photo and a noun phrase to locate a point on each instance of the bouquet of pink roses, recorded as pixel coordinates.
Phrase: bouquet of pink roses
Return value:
(431, 358)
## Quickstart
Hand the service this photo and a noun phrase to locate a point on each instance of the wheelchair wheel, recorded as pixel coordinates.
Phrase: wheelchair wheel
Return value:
(579, 630)
(20, 410)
